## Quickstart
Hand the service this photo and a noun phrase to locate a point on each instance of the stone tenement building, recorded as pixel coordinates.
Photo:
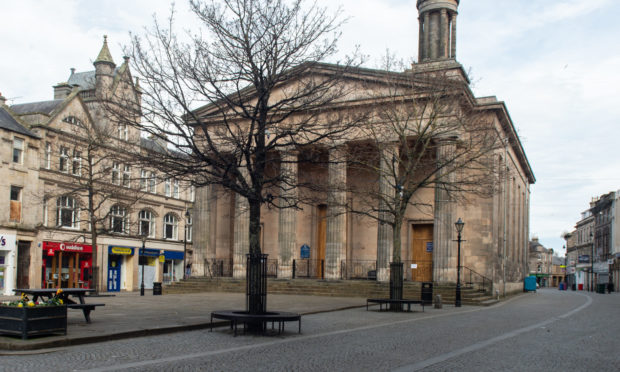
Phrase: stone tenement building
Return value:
(63, 153)
(318, 241)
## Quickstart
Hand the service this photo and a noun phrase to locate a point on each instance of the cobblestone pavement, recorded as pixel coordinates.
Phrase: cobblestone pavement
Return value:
(549, 330)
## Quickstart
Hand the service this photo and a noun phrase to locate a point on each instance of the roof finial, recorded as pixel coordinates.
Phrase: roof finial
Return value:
(104, 54)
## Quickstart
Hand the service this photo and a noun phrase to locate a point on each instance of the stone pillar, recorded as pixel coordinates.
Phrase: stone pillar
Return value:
(335, 250)
(287, 225)
(453, 39)
(241, 244)
(444, 249)
(385, 239)
(444, 34)
(201, 218)
(427, 36)
(421, 39)
(434, 31)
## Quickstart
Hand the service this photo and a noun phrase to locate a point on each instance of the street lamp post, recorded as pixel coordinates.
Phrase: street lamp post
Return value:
(592, 263)
(187, 215)
(141, 258)
(459, 228)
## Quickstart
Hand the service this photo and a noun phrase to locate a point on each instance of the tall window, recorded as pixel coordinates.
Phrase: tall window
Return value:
(116, 170)
(118, 219)
(153, 183)
(167, 187)
(45, 216)
(63, 164)
(192, 193)
(18, 150)
(67, 212)
(16, 204)
(171, 225)
(146, 223)
(76, 165)
(123, 132)
(175, 189)
(48, 155)
(144, 180)
(126, 176)
(188, 227)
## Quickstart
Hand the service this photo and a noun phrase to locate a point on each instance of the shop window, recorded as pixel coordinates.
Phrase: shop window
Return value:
(16, 204)
(18, 150)
(146, 223)
(170, 226)
(118, 219)
(67, 212)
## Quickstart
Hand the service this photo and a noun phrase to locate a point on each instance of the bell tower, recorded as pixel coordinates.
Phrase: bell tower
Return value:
(437, 19)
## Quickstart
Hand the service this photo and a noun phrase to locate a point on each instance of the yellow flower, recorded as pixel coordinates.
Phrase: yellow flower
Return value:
(20, 305)
(60, 301)
(30, 304)
(59, 291)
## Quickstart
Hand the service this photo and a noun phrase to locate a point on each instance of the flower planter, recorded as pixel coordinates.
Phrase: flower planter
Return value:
(33, 321)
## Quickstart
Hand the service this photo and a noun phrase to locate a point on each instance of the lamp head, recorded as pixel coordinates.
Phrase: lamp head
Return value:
(459, 225)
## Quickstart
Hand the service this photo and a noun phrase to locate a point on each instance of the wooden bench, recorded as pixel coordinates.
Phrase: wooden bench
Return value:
(388, 301)
(86, 309)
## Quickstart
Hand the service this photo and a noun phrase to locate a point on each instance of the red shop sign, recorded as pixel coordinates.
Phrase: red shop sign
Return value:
(52, 247)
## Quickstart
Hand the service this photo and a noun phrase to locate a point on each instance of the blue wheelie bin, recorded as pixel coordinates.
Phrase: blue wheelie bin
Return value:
(529, 284)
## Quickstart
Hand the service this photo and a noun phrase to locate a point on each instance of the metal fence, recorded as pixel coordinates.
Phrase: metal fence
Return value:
(218, 268)
(358, 269)
(272, 268)
(309, 269)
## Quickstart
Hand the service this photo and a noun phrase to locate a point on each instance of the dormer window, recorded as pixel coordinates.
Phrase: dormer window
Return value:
(72, 120)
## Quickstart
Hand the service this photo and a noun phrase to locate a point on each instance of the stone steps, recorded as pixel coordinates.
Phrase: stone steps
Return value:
(344, 288)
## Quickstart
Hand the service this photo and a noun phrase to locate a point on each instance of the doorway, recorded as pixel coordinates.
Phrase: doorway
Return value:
(422, 253)
(23, 264)
(321, 238)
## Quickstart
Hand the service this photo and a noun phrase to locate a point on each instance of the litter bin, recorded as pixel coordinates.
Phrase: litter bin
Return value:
(427, 293)
(574, 287)
(600, 288)
(156, 288)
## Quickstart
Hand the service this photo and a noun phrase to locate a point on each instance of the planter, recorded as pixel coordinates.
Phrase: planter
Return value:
(33, 321)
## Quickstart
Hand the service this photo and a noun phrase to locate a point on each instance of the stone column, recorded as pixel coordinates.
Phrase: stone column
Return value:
(421, 38)
(241, 244)
(335, 250)
(444, 34)
(444, 249)
(453, 53)
(427, 36)
(434, 31)
(287, 225)
(385, 239)
(201, 218)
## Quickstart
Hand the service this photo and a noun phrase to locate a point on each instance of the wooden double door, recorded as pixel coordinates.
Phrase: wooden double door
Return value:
(422, 253)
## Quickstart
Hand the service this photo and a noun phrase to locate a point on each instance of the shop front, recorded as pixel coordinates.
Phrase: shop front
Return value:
(119, 267)
(66, 265)
(173, 266)
(7, 263)
(159, 265)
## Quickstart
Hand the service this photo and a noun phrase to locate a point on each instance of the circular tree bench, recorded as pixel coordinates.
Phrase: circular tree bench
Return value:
(235, 317)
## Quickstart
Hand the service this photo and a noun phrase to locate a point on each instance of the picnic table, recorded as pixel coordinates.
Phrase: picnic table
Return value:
(67, 295)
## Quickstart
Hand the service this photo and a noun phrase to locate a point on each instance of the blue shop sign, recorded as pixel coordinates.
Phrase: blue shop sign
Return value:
(304, 251)
(584, 258)
(168, 255)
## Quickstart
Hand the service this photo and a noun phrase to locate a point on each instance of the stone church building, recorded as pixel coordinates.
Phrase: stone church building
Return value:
(313, 242)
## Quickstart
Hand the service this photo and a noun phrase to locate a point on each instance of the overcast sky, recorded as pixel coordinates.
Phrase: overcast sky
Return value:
(555, 63)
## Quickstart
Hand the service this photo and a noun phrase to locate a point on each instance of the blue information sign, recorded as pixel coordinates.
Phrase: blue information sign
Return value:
(304, 251)
(429, 246)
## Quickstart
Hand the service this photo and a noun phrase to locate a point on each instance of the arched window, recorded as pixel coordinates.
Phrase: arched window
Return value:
(73, 120)
(171, 225)
(146, 223)
(118, 219)
(67, 212)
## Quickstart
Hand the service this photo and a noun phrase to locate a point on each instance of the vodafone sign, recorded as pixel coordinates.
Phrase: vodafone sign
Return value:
(51, 247)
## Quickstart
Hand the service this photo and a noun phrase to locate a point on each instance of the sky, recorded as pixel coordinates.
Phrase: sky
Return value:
(555, 63)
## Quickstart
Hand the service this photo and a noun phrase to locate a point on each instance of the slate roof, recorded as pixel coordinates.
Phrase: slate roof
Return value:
(8, 122)
(85, 80)
(43, 107)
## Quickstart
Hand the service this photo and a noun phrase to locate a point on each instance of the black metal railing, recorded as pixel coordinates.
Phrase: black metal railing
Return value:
(272, 268)
(309, 269)
(218, 268)
(472, 279)
(358, 269)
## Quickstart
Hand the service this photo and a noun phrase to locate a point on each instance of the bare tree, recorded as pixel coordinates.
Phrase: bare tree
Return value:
(423, 132)
(244, 88)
